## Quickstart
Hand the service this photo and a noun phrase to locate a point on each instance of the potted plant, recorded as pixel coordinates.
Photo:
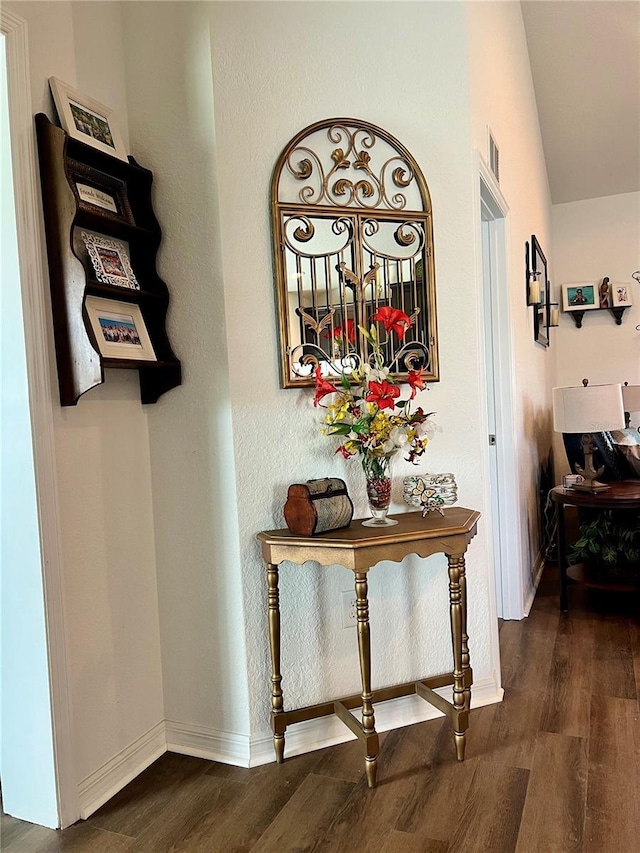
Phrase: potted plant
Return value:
(609, 545)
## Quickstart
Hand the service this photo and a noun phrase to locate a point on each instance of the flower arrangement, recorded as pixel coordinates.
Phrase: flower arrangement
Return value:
(365, 409)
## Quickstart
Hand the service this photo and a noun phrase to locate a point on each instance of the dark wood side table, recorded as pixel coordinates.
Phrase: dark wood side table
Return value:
(624, 495)
(360, 548)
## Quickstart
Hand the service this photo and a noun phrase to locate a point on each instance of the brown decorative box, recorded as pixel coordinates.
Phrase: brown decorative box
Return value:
(317, 506)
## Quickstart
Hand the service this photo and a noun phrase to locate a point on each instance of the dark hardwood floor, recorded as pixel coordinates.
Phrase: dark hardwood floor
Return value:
(555, 767)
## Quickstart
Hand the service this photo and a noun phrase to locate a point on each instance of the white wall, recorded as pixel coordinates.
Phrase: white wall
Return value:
(26, 747)
(592, 239)
(192, 434)
(503, 98)
(108, 552)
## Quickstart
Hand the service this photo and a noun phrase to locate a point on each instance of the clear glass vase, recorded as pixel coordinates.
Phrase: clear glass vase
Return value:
(377, 472)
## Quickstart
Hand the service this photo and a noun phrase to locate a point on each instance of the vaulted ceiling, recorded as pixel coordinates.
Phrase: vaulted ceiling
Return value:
(585, 61)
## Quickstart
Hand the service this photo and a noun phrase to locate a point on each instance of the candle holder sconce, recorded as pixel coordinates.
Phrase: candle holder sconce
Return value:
(538, 288)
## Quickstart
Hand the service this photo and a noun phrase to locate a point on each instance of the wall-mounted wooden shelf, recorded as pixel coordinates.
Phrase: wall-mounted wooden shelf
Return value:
(65, 163)
(617, 313)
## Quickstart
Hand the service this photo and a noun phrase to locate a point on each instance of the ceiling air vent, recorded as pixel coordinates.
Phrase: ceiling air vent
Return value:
(494, 157)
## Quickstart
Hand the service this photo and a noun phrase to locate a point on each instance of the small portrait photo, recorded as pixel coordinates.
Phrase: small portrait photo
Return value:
(580, 297)
(605, 293)
(119, 329)
(110, 260)
(621, 293)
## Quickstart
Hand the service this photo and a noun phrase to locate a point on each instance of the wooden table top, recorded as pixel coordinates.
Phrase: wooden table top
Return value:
(411, 527)
(623, 495)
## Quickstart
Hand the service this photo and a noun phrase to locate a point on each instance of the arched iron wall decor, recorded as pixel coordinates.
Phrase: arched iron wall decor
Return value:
(352, 232)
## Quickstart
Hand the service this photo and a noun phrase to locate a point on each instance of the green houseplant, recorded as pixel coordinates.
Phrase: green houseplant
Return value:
(609, 544)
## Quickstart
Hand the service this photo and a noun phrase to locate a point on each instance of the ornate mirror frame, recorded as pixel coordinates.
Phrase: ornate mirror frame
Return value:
(352, 232)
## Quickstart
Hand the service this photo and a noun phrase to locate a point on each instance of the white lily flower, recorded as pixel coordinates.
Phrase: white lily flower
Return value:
(430, 428)
(399, 437)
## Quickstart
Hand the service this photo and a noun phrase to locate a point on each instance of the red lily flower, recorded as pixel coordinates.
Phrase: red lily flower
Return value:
(393, 319)
(342, 449)
(416, 382)
(346, 331)
(383, 394)
(322, 387)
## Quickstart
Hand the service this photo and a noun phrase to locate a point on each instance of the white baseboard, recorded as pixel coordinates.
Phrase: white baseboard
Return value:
(206, 742)
(241, 751)
(537, 574)
(106, 781)
(393, 714)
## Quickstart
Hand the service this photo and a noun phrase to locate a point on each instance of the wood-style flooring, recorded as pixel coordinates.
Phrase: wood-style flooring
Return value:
(555, 767)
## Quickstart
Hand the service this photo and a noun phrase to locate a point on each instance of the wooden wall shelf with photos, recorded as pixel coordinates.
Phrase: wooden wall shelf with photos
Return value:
(102, 243)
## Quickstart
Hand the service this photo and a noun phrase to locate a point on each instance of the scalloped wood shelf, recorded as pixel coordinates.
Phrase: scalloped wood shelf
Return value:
(80, 366)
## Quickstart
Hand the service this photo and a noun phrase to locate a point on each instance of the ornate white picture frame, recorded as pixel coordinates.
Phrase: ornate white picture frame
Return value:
(110, 260)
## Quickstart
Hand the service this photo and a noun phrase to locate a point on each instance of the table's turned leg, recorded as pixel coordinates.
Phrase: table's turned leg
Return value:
(456, 569)
(364, 649)
(466, 662)
(562, 556)
(274, 643)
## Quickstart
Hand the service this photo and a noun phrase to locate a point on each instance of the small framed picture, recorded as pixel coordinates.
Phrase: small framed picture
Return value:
(99, 193)
(110, 260)
(580, 297)
(621, 294)
(87, 120)
(119, 329)
(604, 294)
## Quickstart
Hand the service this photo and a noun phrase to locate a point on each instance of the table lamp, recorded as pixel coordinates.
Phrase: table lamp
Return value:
(631, 400)
(585, 410)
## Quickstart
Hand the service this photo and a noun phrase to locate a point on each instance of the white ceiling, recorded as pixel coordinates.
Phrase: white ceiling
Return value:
(585, 61)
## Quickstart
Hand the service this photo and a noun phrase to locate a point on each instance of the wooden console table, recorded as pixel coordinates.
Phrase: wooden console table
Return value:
(624, 495)
(360, 548)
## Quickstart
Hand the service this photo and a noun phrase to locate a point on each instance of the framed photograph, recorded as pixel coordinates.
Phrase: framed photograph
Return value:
(538, 289)
(604, 294)
(99, 193)
(110, 260)
(119, 329)
(87, 120)
(580, 296)
(621, 294)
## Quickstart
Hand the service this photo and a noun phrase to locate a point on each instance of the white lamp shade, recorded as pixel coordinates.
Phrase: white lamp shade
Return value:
(586, 409)
(631, 398)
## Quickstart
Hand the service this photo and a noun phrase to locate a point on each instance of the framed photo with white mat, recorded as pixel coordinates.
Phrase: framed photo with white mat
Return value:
(87, 120)
(119, 329)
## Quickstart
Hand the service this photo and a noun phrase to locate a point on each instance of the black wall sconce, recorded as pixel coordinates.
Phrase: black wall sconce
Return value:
(538, 288)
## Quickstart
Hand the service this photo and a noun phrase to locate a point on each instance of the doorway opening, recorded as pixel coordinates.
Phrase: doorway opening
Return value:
(499, 399)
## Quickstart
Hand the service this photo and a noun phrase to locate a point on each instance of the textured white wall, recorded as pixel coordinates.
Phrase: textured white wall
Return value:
(102, 455)
(192, 434)
(502, 96)
(592, 239)
(276, 68)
